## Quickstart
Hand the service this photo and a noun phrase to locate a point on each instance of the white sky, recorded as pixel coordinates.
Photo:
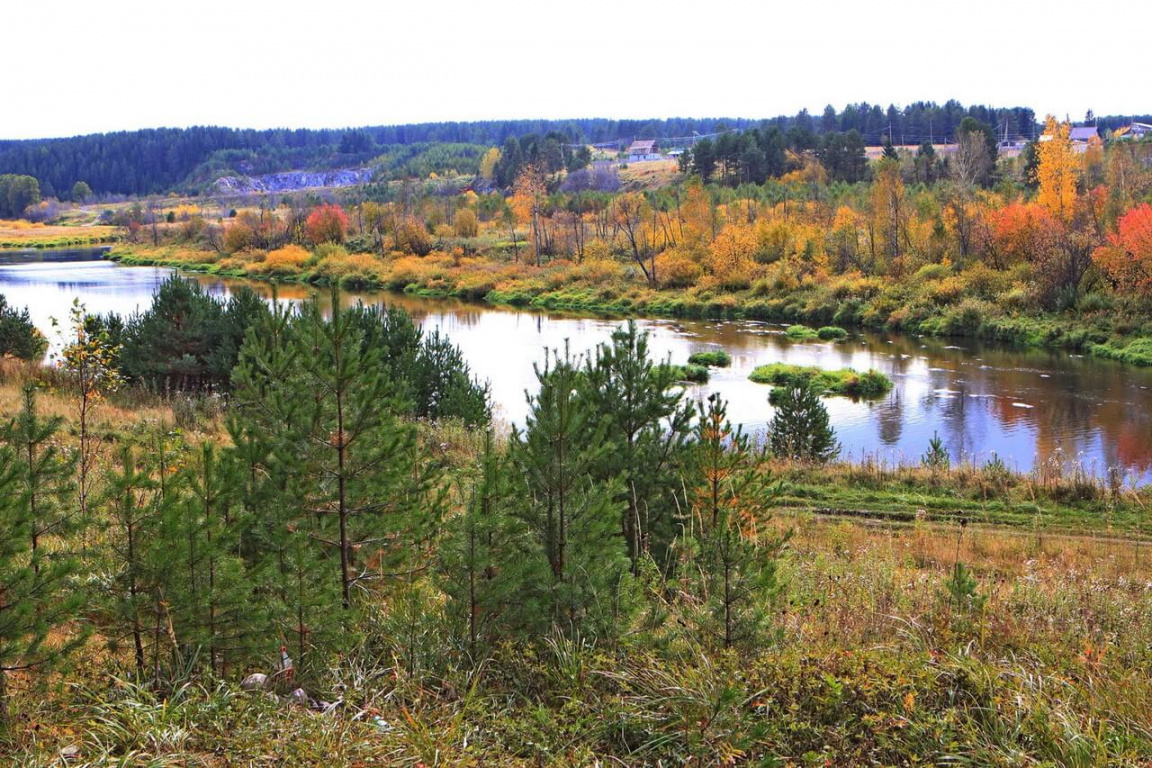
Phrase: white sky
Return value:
(79, 66)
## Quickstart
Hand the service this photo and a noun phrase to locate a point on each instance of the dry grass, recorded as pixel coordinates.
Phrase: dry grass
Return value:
(24, 234)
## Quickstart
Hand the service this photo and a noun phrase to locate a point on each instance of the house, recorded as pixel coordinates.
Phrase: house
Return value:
(1083, 134)
(1079, 137)
(643, 150)
(1134, 131)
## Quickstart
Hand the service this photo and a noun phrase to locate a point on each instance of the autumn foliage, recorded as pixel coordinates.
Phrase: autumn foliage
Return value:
(326, 224)
(1127, 258)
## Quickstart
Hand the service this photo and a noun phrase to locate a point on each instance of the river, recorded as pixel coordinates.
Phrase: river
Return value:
(983, 399)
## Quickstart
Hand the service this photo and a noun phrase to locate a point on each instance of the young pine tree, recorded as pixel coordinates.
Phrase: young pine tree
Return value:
(732, 571)
(354, 495)
(646, 423)
(132, 516)
(574, 572)
(475, 558)
(36, 597)
(205, 586)
(800, 428)
(44, 478)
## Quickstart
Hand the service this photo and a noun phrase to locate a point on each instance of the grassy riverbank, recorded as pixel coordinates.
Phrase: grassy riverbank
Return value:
(976, 303)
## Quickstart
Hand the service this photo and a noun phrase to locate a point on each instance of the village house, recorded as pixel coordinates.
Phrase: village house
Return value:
(640, 151)
(1135, 131)
(1080, 136)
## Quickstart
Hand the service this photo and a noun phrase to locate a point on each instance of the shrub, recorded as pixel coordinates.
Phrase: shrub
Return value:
(800, 333)
(466, 223)
(674, 270)
(845, 381)
(832, 333)
(715, 358)
(697, 374)
(288, 260)
(412, 237)
(930, 272)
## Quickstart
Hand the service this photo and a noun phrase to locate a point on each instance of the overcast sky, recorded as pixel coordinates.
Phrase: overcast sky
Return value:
(80, 66)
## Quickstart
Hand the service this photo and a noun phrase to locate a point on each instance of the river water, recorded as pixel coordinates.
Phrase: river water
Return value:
(1023, 405)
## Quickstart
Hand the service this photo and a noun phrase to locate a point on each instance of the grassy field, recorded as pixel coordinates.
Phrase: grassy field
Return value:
(874, 664)
(22, 234)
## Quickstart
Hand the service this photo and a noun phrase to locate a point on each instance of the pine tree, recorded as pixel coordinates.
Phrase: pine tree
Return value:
(732, 573)
(36, 596)
(354, 496)
(205, 585)
(45, 475)
(131, 497)
(646, 423)
(475, 558)
(574, 569)
(800, 428)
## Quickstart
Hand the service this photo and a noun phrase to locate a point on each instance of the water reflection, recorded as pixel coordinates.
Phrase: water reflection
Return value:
(982, 399)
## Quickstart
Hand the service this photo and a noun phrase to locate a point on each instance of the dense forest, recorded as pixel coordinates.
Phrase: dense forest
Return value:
(158, 160)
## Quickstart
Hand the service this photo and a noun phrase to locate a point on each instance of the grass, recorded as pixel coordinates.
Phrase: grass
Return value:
(871, 665)
(23, 234)
(845, 381)
(714, 359)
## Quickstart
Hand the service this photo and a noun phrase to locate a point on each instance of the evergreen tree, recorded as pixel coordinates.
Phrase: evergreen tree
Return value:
(574, 570)
(131, 497)
(475, 559)
(800, 428)
(172, 344)
(732, 573)
(204, 583)
(36, 595)
(45, 475)
(350, 476)
(19, 337)
(645, 423)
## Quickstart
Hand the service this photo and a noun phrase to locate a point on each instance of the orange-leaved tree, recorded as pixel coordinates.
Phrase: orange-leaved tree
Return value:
(326, 224)
(1127, 258)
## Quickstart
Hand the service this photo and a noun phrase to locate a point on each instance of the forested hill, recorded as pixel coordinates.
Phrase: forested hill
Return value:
(158, 160)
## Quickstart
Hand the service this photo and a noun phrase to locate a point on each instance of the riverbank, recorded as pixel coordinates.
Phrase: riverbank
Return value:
(976, 303)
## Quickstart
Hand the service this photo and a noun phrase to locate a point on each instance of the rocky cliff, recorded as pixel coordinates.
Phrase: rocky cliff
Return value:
(290, 181)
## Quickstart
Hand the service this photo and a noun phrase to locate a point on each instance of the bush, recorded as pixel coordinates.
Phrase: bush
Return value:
(845, 381)
(697, 374)
(288, 260)
(832, 333)
(800, 333)
(716, 359)
(676, 271)
(466, 224)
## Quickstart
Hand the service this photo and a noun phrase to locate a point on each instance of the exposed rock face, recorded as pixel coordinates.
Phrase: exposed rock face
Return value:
(290, 181)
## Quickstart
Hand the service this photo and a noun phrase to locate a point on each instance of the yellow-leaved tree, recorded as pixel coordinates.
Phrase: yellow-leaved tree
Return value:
(1057, 169)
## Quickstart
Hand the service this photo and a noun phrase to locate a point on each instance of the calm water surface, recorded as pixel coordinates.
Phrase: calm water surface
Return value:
(1023, 405)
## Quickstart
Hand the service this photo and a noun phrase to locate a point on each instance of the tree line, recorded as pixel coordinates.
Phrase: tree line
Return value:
(158, 160)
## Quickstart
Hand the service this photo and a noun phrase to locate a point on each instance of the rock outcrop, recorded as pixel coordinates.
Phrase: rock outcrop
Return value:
(290, 181)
